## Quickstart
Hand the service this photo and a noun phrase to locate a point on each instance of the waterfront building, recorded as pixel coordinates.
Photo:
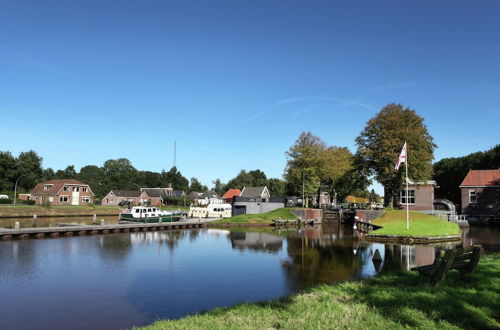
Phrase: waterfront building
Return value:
(62, 192)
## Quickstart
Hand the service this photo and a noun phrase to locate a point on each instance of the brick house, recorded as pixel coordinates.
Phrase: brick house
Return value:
(420, 196)
(230, 194)
(480, 193)
(62, 192)
(116, 196)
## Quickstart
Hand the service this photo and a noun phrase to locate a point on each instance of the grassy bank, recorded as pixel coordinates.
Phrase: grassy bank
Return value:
(30, 210)
(394, 223)
(174, 208)
(392, 301)
(283, 213)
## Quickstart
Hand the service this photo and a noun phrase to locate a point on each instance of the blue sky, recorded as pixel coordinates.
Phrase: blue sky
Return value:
(236, 82)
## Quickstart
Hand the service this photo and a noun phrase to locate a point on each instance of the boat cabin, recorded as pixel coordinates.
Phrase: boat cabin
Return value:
(145, 212)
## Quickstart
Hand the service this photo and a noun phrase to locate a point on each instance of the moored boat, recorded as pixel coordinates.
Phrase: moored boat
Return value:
(150, 214)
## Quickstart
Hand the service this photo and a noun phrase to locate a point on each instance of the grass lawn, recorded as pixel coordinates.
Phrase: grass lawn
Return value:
(22, 210)
(395, 300)
(394, 223)
(283, 213)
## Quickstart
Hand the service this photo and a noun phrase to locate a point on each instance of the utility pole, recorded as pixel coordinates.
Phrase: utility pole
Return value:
(175, 153)
(303, 193)
(15, 189)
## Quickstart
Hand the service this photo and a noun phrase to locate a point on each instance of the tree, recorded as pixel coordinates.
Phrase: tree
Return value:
(29, 169)
(149, 179)
(48, 174)
(318, 167)
(8, 171)
(254, 178)
(301, 172)
(118, 174)
(380, 143)
(450, 172)
(276, 187)
(93, 176)
(219, 187)
(174, 178)
(196, 185)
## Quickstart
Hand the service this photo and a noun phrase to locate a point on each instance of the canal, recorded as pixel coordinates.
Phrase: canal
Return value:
(118, 281)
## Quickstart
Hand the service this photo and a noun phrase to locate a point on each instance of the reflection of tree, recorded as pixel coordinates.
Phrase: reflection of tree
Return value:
(115, 246)
(256, 241)
(325, 258)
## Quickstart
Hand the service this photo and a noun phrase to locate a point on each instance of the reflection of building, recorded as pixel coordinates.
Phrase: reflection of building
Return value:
(256, 241)
(480, 192)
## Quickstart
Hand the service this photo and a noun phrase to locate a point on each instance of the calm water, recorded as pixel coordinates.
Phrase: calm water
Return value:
(121, 280)
(54, 221)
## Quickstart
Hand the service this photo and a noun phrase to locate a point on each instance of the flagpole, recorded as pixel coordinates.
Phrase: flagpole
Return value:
(407, 197)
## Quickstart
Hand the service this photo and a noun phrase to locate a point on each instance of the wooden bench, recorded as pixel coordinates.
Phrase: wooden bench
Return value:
(465, 260)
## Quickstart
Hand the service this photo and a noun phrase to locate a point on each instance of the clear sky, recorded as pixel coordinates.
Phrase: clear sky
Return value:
(236, 82)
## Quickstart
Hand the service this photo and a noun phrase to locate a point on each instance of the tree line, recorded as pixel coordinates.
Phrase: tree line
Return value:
(312, 166)
(450, 172)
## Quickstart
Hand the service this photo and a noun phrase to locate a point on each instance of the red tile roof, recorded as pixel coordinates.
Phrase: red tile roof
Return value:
(57, 185)
(231, 193)
(481, 178)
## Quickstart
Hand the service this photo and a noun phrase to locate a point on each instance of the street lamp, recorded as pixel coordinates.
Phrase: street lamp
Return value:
(15, 189)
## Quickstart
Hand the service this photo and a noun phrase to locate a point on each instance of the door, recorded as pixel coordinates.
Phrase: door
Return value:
(75, 196)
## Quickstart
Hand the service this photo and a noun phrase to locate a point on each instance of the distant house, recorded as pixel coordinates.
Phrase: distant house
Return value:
(156, 196)
(116, 196)
(480, 192)
(194, 195)
(254, 200)
(230, 194)
(209, 197)
(420, 196)
(256, 192)
(62, 192)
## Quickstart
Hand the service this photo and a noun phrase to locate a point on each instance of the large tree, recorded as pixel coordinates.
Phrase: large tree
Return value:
(29, 169)
(380, 143)
(196, 185)
(450, 172)
(313, 166)
(174, 178)
(119, 174)
(8, 171)
(94, 177)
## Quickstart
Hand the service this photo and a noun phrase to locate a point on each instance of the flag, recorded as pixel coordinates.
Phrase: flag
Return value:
(402, 157)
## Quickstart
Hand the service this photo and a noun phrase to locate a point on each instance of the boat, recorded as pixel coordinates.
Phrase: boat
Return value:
(150, 214)
(212, 210)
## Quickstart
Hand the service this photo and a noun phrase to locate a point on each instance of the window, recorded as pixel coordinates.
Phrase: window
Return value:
(76, 189)
(85, 189)
(65, 188)
(63, 198)
(411, 197)
(86, 199)
(472, 197)
(51, 199)
(47, 186)
(137, 211)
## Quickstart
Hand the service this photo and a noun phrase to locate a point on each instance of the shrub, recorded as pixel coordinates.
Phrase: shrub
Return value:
(28, 202)
(5, 201)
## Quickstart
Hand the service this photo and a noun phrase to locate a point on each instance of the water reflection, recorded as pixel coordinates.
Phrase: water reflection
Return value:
(134, 278)
(55, 221)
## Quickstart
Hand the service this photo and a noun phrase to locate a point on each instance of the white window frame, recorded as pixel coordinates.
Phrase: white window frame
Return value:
(85, 199)
(47, 186)
(411, 194)
(85, 189)
(472, 193)
(63, 199)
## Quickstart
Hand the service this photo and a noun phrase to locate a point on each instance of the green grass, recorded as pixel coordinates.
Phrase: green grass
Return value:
(283, 213)
(393, 301)
(57, 210)
(394, 223)
(175, 208)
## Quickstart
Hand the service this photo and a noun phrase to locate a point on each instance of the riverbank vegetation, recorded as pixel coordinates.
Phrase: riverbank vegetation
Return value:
(421, 224)
(395, 300)
(268, 217)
